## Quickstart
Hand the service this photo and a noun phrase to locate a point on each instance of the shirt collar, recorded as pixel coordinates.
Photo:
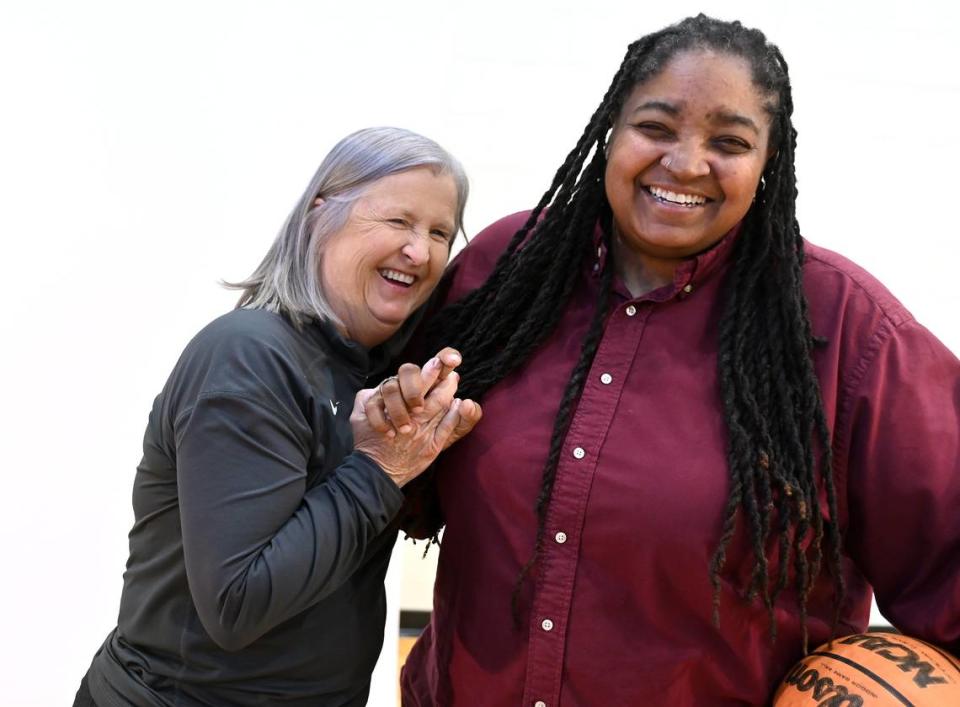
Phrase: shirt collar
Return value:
(689, 275)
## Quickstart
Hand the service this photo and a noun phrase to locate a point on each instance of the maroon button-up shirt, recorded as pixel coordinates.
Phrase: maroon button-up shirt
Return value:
(619, 611)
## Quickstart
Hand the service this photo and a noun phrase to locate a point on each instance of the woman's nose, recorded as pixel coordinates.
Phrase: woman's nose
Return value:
(686, 161)
(417, 248)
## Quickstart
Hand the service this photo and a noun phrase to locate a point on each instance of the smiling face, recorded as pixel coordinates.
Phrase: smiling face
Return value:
(684, 160)
(386, 260)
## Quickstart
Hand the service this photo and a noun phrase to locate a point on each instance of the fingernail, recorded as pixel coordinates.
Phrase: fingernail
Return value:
(391, 434)
(405, 429)
(457, 359)
(433, 362)
(419, 408)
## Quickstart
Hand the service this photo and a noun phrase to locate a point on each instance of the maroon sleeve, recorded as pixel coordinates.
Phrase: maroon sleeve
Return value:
(421, 516)
(903, 482)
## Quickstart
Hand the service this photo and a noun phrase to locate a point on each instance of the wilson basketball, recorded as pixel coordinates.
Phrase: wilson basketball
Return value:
(872, 669)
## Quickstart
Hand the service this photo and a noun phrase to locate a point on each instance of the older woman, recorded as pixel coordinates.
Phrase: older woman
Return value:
(263, 507)
(705, 439)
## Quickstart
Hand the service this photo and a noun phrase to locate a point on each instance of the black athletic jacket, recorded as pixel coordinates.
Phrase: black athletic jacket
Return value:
(261, 540)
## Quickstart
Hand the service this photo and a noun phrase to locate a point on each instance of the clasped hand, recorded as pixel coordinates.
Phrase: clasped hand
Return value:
(407, 420)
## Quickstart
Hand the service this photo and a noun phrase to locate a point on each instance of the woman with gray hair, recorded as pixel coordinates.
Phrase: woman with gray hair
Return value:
(264, 508)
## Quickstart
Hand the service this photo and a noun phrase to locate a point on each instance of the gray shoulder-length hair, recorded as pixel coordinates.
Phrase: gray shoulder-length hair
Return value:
(288, 279)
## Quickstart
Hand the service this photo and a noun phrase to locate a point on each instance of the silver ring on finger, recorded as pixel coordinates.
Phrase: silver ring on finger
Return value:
(380, 387)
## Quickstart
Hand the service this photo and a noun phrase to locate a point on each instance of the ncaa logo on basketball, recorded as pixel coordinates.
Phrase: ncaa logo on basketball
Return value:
(905, 658)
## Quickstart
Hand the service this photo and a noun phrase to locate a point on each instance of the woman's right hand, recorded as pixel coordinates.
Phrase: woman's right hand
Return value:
(431, 419)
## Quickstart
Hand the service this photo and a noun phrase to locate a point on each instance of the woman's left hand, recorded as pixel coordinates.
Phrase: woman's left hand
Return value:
(408, 398)
(431, 418)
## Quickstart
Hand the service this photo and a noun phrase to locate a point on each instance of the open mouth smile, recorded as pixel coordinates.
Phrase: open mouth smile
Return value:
(666, 196)
(395, 277)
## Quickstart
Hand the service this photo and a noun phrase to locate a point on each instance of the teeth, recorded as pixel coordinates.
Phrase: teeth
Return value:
(673, 197)
(398, 276)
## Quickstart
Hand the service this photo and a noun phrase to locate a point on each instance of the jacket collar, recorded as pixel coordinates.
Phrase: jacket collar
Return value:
(373, 363)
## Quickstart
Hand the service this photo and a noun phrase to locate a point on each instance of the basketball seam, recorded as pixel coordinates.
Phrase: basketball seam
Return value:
(869, 673)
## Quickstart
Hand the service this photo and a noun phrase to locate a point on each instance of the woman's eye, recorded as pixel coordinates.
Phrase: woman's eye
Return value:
(442, 235)
(732, 144)
(397, 221)
(653, 129)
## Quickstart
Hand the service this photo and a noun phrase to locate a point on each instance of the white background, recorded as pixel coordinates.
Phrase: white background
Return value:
(149, 149)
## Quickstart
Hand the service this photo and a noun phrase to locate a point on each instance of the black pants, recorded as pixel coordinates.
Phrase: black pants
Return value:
(83, 698)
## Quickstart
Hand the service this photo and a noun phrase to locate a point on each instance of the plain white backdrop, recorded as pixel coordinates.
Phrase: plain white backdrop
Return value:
(148, 150)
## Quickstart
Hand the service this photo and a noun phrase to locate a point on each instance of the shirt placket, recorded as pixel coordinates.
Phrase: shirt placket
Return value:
(576, 470)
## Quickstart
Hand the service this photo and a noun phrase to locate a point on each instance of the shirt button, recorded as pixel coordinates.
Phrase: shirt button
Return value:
(606, 378)
(579, 453)
(539, 703)
(560, 537)
(631, 310)
(688, 289)
(547, 625)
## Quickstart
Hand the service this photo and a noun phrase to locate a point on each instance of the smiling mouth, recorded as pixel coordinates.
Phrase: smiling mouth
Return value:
(395, 277)
(665, 196)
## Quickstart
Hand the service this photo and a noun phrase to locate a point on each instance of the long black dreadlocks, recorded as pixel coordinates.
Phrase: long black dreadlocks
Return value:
(771, 398)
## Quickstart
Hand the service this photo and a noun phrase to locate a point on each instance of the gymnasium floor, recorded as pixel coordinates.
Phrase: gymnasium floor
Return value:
(406, 643)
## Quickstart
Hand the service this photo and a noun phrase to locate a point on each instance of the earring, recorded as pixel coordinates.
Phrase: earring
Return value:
(760, 188)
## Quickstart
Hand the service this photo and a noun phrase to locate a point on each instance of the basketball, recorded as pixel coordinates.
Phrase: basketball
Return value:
(872, 669)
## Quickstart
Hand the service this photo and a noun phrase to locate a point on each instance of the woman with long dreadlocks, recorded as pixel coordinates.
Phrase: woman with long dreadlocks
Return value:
(705, 440)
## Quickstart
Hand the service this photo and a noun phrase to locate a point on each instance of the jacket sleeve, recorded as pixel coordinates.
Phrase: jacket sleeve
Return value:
(903, 483)
(260, 547)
